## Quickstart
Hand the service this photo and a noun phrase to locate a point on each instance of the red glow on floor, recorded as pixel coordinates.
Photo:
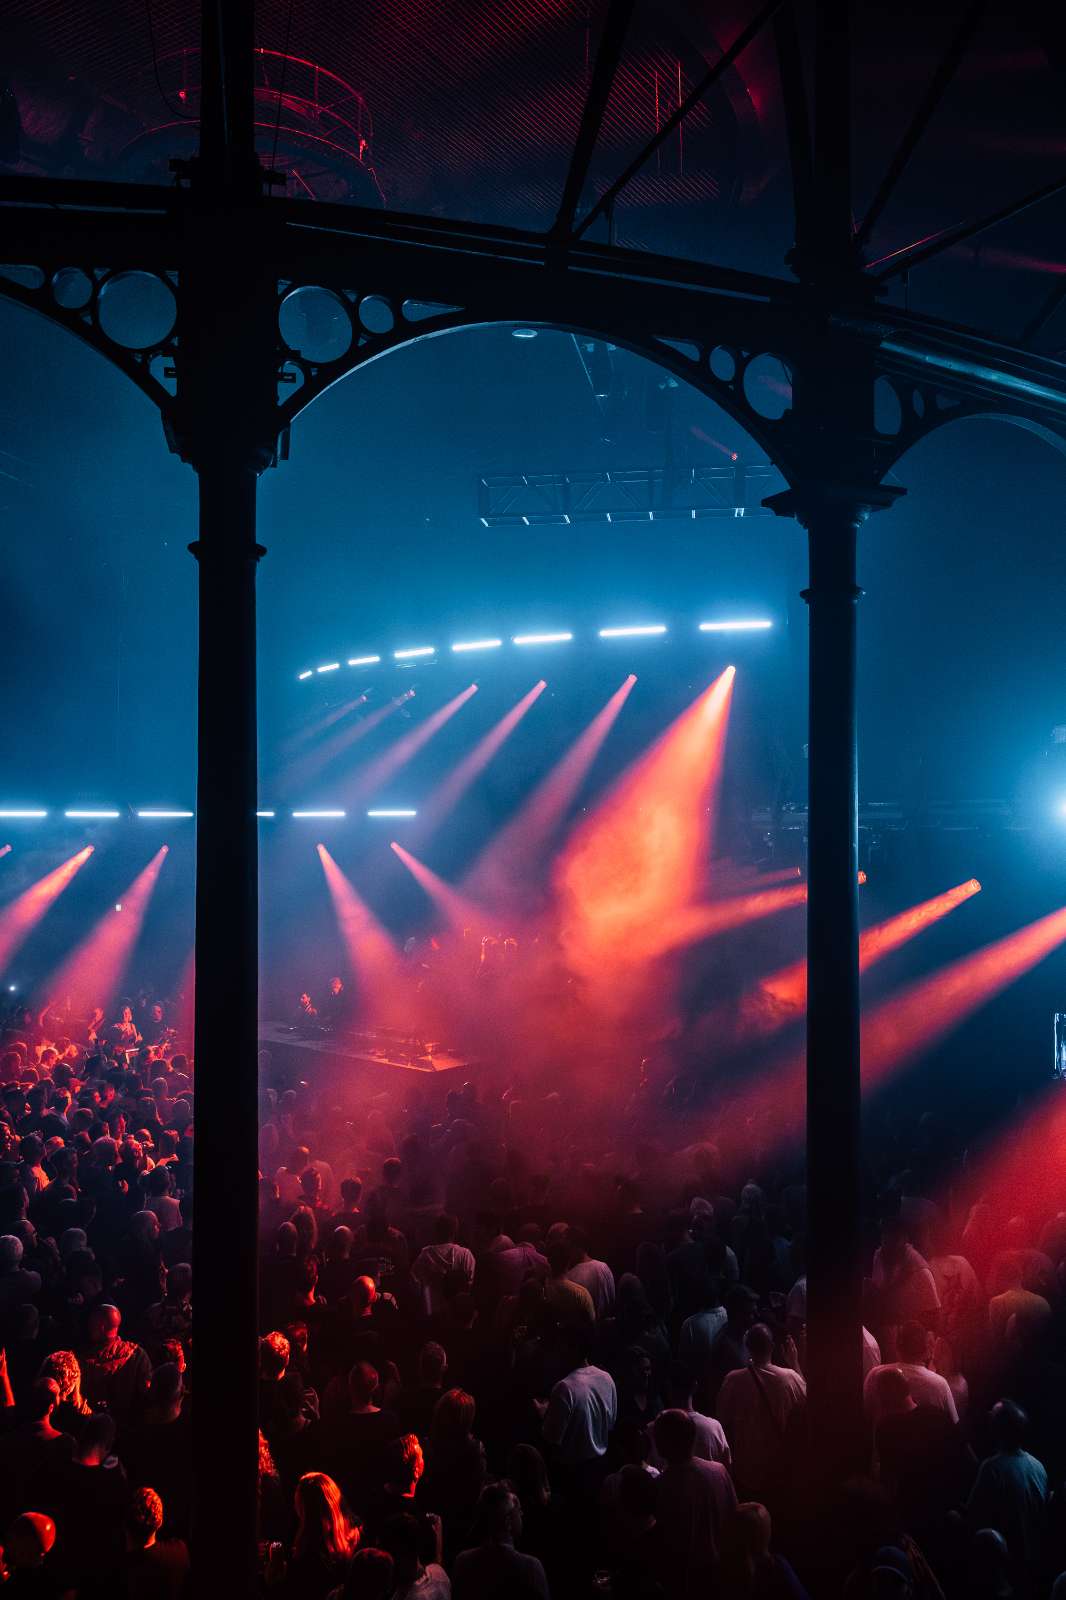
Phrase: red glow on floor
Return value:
(391, 761)
(93, 972)
(18, 919)
(518, 845)
(459, 780)
(457, 911)
(372, 957)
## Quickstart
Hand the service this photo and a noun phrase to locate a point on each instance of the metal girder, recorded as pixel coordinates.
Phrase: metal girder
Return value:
(608, 56)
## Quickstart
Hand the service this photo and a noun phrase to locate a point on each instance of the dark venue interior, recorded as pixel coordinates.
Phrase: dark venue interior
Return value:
(536, 790)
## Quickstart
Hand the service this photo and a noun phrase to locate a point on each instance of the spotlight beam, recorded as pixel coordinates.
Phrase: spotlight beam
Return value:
(474, 763)
(372, 956)
(92, 973)
(518, 841)
(313, 762)
(391, 761)
(21, 916)
(457, 911)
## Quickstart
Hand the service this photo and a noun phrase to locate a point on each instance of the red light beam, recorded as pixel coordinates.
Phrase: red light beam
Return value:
(390, 762)
(473, 764)
(695, 923)
(18, 919)
(517, 844)
(92, 973)
(372, 955)
(313, 762)
(457, 911)
(788, 987)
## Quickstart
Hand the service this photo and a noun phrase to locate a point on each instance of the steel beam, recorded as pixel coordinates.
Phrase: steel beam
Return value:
(608, 56)
(674, 121)
(946, 69)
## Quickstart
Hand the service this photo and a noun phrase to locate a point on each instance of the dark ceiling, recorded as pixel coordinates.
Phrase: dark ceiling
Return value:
(470, 110)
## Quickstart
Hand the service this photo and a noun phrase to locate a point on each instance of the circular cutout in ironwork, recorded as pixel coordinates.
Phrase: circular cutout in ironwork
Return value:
(723, 364)
(375, 314)
(315, 324)
(136, 310)
(918, 403)
(768, 387)
(888, 409)
(72, 288)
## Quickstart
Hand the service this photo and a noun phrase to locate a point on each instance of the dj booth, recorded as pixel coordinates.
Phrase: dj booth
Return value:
(357, 1065)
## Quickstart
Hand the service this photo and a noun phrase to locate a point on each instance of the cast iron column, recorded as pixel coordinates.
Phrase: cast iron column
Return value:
(832, 518)
(225, 425)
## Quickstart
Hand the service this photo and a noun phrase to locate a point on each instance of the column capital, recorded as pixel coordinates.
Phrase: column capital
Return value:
(833, 500)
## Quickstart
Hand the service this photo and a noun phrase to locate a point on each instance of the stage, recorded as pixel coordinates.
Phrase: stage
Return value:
(359, 1063)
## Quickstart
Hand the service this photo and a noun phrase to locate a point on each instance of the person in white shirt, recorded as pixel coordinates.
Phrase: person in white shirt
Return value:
(915, 1346)
(581, 1410)
(594, 1276)
(754, 1406)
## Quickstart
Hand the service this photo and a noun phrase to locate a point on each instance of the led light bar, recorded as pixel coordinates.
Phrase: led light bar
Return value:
(409, 655)
(363, 661)
(630, 633)
(320, 813)
(478, 644)
(266, 813)
(18, 813)
(330, 666)
(87, 815)
(392, 812)
(542, 638)
(160, 815)
(744, 625)
(302, 675)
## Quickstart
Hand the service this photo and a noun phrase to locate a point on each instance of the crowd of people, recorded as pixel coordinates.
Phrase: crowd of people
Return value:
(508, 1348)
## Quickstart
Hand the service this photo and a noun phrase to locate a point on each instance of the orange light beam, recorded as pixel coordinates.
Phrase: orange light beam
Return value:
(518, 841)
(371, 953)
(92, 972)
(789, 985)
(21, 916)
(907, 1023)
(635, 863)
(473, 764)
(390, 762)
(694, 923)
(312, 762)
(457, 910)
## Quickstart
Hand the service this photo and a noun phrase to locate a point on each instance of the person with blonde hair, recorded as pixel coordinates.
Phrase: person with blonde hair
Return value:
(326, 1539)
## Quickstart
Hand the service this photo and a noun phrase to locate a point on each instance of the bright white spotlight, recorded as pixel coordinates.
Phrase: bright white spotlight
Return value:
(409, 655)
(363, 661)
(633, 632)
(160, 816)
(542, 638)
(11, 988)
(17, 813)
(392, 812)
(90, 815)
(302, 675)
(478, 644)
(320, 813)
(118, 905)
(742, 625)
(266, 813)
(330, 666)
